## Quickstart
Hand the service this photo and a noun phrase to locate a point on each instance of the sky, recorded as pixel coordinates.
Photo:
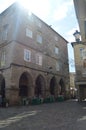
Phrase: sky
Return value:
(60, 14)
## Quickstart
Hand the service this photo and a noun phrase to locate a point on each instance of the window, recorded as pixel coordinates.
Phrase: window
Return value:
(30, 16)
(39, 59)
(39, 38)
(0, 34)
(56, 50)
(57, 66)
(27, 55)
(84, 54)
(39, 24)
(56, 38)
(84, 63)
(81, 52)
(29, 33)
(5, 32)
(85, 27)
(29, 13)
(3, 59)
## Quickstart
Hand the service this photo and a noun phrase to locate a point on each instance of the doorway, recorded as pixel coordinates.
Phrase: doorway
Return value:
(52, 86)
(40, 86)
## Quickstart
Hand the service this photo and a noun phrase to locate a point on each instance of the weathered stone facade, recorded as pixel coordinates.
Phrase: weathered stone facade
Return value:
(80, 49)
(80, 78)
(30, 68)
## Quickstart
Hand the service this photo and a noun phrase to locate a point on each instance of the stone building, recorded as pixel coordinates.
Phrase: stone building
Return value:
(73, 89)
(33, 57)
(72, 80)
(80, 49)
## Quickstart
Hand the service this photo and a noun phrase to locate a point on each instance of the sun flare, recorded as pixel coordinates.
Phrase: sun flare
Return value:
(38, 7)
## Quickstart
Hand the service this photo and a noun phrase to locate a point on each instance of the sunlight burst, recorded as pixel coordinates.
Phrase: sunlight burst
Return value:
(38, 7)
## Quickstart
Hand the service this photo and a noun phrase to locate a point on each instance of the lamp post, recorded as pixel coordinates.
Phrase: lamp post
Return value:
(77, 36)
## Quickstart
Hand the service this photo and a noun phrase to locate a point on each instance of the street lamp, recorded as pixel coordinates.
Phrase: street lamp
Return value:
(77, 36)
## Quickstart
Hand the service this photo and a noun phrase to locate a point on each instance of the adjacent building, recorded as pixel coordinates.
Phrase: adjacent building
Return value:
(80, 49)
(73, 90)
(33, 57)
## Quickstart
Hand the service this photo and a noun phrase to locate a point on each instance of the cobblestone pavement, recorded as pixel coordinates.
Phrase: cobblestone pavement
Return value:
(68, 115)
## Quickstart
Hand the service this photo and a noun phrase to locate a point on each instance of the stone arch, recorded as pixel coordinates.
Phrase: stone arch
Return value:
(62, 86)
(52, 85)
(25, 85)
(2, 86)
(40, 86)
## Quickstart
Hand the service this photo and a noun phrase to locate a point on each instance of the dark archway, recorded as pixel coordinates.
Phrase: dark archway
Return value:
(2, 86)
(52, 86)
(62, 85)
(25, 83)
(40, 86)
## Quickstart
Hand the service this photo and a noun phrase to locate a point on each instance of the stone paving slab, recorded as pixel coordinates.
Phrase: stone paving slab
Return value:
(67, 115)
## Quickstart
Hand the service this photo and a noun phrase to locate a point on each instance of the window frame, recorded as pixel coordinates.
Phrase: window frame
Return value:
(81, 52)
(39, 38)
(56, 49)
(84, 54)
(56, 38)
(5, 32)
(39, 59)
(29, 33)
(3, 58)
(27, 55)
(57, 66)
